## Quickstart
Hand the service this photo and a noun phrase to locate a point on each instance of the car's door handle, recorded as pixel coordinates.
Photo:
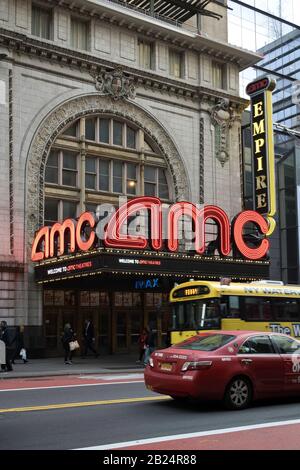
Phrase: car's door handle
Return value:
(246, 361)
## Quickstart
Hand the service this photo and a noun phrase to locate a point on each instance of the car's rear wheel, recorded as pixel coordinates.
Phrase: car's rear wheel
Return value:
(238, 394)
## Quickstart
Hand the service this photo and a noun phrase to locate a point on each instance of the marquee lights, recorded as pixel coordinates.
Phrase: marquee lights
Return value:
(48, 237)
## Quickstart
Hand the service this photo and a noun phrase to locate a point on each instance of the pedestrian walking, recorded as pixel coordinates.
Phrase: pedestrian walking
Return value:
(89, 338)
(142, 345)
(150, 344)
(2, 354)
(5, 337)
(20, 350)
(67, 337)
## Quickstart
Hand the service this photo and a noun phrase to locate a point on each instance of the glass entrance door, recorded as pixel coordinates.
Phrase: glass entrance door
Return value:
(129, 321)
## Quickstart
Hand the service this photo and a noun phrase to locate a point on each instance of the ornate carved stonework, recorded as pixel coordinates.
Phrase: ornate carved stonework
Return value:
(73, 109)
(222, 116)
(115, 84)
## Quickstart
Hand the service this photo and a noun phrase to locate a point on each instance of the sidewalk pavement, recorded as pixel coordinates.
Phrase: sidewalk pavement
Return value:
(114, 363)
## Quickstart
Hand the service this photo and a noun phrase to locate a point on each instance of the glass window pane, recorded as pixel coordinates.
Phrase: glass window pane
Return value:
(150, 173)
(104, 130)
(41, 22)
(150, 189)
(90, 181)
(131, 179)
(51, 210)
(162, 176)
(70, 160)
(117, 185)
(163, 191)
(51, 175)
(103, 183)
(131, 187)
(131, 138)
(117, 177)
(175, 64)
(53, 158)
(131, 171)
(90, 132)
(118, 169)
(218, 75)
(79, 34)
(71, 130)
(104, 167)
(90, 165)
(145, 54)
(69, 209)
(104, 175)
(117, 134)
(69, 178)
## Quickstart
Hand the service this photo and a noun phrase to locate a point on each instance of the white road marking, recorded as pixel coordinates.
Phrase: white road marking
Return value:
(112, 377)
(191, 435)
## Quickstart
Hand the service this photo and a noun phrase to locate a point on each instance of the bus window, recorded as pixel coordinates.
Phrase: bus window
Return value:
(286, 309)
(196, 315)
(233, 310)
(257, 309)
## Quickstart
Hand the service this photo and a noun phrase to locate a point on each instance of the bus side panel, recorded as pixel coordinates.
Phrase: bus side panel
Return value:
(288, 328)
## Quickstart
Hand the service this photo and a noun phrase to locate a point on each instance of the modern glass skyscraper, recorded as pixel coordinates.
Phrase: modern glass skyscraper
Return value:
(283, 58)
(251, 29)
(276, 36)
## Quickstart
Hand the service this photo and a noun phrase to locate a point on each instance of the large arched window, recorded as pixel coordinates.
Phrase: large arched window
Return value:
(96, 159)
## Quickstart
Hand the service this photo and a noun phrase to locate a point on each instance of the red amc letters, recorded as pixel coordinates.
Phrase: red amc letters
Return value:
(46, 239)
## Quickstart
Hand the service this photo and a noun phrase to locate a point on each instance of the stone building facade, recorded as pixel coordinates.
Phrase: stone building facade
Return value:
(63, 61)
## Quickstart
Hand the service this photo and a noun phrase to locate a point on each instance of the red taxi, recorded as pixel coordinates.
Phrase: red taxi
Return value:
(233, 366)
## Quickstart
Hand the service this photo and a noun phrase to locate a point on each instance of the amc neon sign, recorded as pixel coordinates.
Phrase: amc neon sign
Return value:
(48, 239)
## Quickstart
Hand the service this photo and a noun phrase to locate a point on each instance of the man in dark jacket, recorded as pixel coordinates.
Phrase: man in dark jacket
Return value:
(4, 336)
(89, 338)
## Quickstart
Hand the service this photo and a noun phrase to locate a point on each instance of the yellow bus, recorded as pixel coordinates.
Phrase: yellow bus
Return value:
(262, 305)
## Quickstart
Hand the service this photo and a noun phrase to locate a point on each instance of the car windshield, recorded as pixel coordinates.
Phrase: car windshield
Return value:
(196, 315)
(205, 343)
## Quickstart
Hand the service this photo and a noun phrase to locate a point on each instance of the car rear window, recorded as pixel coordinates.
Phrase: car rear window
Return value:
(206, 343)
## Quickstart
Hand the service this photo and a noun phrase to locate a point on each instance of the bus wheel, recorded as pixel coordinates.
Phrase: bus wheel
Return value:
(238, 394)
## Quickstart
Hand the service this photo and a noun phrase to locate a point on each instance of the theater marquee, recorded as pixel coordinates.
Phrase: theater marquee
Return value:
(77, 248)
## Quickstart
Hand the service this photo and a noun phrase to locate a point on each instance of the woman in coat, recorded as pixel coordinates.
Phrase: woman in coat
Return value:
(68, 336)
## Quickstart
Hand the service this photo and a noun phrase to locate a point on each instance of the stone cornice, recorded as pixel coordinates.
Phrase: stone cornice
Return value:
(54, 54)
(145, 24)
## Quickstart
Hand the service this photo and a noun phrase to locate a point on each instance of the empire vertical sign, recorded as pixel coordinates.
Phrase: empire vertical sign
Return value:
(260, 92)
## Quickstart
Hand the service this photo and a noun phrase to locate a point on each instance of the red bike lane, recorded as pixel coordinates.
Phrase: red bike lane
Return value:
(276, 436)
(67, 381)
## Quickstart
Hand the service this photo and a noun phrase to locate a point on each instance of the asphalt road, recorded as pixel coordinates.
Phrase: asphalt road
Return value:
(84, 416)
